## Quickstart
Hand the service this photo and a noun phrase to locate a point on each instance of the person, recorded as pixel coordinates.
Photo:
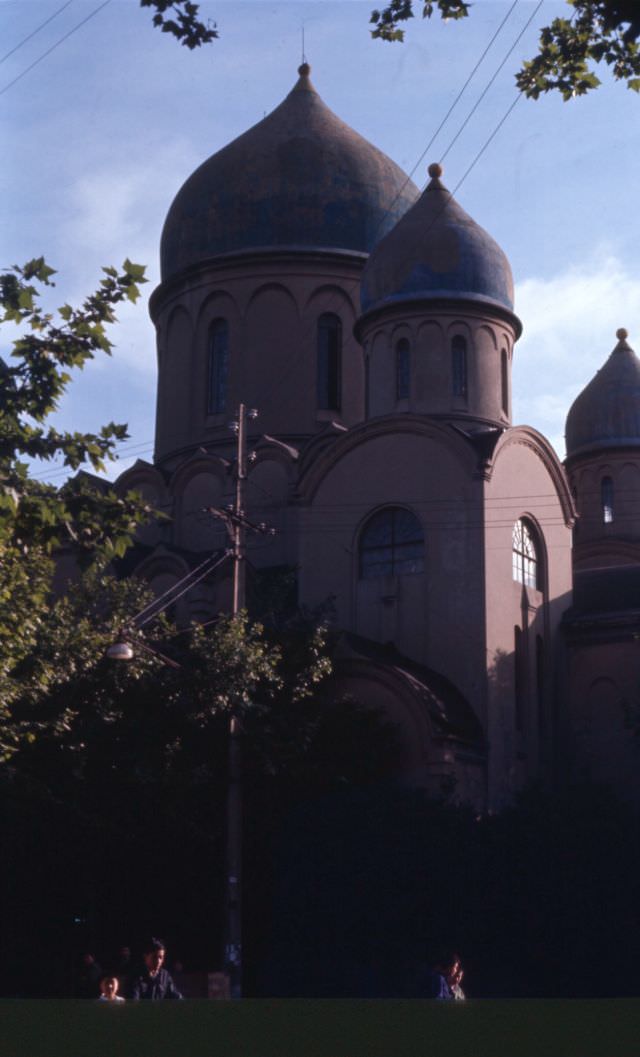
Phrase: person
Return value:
(446, 979)
(122, 967)
(109, 990)
(154, 983)
(89, 976)
(454, 979)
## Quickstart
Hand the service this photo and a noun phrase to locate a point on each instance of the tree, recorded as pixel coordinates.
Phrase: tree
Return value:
(597, 31)
(33, 514)
(36, 518)
(184, 23)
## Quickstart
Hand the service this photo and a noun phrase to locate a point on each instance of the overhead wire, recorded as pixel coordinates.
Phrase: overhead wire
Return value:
(29, 36)
(53, 47)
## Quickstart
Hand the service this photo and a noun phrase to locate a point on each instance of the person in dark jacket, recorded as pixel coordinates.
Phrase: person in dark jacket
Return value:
(154, 983)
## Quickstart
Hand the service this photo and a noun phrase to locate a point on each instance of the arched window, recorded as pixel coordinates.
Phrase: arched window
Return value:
(403, 369)
(329, 357)
(218, 366)
(525, 555)
(504, 380)
(606, 499)
(459, 365)
(391, 543)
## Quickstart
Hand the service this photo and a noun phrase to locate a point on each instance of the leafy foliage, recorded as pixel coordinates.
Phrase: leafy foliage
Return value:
(597, 31)
(49, 346)
(183, 22)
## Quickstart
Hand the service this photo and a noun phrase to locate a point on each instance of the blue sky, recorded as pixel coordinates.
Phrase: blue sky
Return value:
(97, 138)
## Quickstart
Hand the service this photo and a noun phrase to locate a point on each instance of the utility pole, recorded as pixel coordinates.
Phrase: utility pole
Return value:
(233, 922)
(237, 524)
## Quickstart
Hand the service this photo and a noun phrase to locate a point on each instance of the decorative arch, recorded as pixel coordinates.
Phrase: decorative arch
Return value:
(271, 288)
(328, 296)
(530, 438)
(316, 466)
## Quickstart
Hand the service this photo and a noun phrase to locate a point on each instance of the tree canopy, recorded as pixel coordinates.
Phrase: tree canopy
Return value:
(596, 31)
(180, 18)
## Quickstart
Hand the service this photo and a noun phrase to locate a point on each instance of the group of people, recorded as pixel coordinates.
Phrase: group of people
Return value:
(446, 979)
(151, 981)
(148, 980)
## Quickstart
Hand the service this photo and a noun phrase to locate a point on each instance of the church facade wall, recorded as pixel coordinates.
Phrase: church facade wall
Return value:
(434, 615)
(270, 354)
(523, 612)
(460, 361)
(606, 486)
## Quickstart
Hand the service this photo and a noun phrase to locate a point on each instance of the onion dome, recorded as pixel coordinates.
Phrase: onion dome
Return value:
(437, 251)
(606, 414)
(300, 178)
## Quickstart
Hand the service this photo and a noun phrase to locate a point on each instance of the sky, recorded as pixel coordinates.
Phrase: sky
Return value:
(98, 136)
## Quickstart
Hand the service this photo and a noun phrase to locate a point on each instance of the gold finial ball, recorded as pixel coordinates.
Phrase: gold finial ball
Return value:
(304, 70)
(622, 334)
(435, 170)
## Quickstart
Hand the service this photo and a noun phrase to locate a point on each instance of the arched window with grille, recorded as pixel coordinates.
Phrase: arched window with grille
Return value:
(329, 361)
(606, 499)
(526, 564)
(391, 544)
(459, 366)
(403, 369)
(218, 367)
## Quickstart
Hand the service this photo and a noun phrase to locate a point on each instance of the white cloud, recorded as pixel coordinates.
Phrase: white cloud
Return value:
(570, 321)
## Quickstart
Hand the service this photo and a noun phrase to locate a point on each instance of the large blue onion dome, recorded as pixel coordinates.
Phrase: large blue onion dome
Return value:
(298, 179)
(437, 251)
(606, 414)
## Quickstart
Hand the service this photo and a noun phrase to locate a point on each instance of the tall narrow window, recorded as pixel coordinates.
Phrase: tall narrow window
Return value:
(218, 366)
(329, 356)
(540, 676)
(525, 557)
(606, 499)
(520, 676)
(391, 543)
(367, 385)
(403, 369)
(459, 365)
(504, 380)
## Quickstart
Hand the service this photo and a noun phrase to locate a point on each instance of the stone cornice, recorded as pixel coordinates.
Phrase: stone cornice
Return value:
(230, 264)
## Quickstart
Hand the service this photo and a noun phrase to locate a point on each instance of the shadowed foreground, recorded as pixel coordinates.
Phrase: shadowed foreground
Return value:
(260, 1028)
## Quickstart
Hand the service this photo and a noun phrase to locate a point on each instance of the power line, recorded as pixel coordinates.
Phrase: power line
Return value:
(464, 87)
(491, 81)
(36, 30)
(54, 46)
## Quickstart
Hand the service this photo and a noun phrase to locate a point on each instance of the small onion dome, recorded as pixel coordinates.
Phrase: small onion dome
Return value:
(298, 179)
(606, 414)
(436, 250)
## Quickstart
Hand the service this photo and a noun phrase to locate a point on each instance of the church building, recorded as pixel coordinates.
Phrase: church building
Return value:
(486, 595)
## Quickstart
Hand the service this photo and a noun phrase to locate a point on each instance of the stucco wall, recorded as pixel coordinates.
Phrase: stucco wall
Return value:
(526, 482)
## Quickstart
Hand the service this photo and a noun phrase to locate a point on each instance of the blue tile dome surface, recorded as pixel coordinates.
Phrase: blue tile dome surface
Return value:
(300, 178)
(437, 250)
(606, 414)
